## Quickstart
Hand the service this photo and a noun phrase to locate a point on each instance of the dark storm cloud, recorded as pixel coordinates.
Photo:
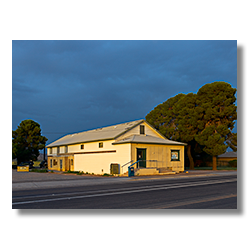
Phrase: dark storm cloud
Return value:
(71, 86)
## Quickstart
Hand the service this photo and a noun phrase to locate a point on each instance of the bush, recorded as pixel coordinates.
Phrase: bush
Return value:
(233, 163)
(107, 174)
(80, 173)
(71, 172)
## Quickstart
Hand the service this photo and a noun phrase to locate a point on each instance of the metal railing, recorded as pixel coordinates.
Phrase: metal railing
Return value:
(126, 164)
(144, 161)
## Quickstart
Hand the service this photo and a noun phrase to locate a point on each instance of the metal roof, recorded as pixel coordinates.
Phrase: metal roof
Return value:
(228, 155)
(105, 133)
(148, 139)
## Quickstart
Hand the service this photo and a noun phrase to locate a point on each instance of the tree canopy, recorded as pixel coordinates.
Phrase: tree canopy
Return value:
(206, 118)
(217, 114)
(27, 141)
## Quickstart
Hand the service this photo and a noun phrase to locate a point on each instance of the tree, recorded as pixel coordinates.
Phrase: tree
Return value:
(232, 141)
(187, 123)
(175, 119)
(216, 113)
(27, 141)
(164, 118)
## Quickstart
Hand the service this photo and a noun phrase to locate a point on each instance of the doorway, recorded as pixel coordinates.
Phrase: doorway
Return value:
(60, 165)
(141, 157)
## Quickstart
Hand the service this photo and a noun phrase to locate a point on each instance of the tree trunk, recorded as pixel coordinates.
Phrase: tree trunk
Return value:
(191, 161)
(214, 162)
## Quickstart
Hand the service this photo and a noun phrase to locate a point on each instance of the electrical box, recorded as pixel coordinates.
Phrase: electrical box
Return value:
(114, 168)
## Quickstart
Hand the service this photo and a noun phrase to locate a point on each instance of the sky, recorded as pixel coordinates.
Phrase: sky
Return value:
(72, 86)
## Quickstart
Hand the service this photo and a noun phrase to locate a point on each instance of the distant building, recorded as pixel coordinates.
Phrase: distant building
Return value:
(226, 157)
(95, 150)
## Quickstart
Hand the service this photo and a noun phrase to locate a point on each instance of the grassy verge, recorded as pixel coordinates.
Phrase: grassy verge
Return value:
(218, 168)
(39, 170)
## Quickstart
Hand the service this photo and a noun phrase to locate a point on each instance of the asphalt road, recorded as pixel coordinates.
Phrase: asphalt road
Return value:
(205, 192)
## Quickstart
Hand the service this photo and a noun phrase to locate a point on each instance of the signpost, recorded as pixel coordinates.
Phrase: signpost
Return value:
(23, 168)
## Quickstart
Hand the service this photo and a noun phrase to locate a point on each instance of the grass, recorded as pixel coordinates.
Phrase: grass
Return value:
(218, 168)
(39, 170)
(71, 172)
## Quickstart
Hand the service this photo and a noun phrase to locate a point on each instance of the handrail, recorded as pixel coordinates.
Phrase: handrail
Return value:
(134, 163)
(142, 160)
(126, 163)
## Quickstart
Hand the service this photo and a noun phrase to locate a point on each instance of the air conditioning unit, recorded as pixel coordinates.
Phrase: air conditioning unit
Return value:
(114, 168)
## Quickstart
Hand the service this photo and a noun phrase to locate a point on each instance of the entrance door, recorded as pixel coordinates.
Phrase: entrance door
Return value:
(60, 165)
(141, 155)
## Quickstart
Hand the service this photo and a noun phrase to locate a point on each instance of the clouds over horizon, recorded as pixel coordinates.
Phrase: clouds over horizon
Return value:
(72, 86)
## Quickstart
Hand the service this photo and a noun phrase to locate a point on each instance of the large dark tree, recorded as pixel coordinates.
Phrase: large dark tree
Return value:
(232, 141)
(27, 141)
(164, 118)
(187, 123)
(216, 113)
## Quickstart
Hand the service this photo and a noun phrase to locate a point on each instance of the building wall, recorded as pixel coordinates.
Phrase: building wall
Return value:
(226, 159)
(99, 163)
(161, 154)
(136, 131)
(91, 158)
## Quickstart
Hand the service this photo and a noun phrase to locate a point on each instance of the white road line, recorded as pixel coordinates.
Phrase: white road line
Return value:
(127, 192)
(102, 191)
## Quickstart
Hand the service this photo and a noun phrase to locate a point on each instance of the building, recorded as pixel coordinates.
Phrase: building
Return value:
(226, 157)
(95, 150)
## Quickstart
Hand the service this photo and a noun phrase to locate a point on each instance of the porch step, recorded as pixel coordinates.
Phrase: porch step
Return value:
(124, 174)
(165, 170)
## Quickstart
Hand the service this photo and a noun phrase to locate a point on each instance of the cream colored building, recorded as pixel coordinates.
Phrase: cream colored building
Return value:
(136, 142)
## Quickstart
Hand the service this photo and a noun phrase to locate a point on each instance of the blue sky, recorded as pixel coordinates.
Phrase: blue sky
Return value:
(71, 86)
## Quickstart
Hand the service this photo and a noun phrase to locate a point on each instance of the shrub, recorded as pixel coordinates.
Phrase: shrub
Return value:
(80, 173)
(233, 163)
(107, 174)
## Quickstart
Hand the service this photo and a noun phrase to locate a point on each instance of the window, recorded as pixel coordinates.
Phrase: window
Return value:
(142, 129)
(50, 151)
(71, 162)
(58, 150)
(54, 162)
(100, 144)
(82, 146)
(175, 155)
(66, 149)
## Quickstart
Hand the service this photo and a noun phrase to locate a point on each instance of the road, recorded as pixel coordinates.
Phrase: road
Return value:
(204, 192)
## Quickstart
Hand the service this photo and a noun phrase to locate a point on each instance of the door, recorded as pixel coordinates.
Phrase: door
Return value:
(141, 157)
(60, 165)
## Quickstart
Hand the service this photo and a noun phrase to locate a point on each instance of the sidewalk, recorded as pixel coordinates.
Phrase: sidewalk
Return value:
(33, 180)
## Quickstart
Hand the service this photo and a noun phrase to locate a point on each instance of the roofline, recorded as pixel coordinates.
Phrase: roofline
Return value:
(67, 144)
(156, 130)
(139, 142)
(142, 120)
(113, 138)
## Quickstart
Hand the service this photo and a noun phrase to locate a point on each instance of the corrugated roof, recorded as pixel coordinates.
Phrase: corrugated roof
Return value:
(228, 154)
(105, 133)
(147, 139)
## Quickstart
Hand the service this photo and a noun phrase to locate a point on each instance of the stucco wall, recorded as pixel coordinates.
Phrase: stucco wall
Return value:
(99, 163)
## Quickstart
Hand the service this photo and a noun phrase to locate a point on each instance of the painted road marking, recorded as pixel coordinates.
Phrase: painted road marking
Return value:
(191, 202)
(143, 189)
